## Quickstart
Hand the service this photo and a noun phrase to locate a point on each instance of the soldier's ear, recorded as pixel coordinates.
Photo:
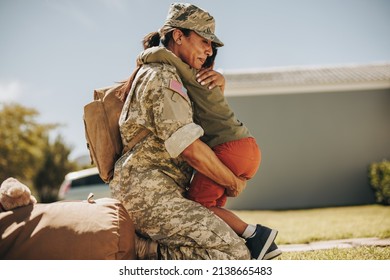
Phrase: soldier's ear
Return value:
(177, 34)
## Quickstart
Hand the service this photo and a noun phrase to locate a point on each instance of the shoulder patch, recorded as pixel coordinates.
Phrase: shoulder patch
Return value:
(179, 88)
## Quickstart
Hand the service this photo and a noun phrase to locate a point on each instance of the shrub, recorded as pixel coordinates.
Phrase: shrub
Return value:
(379, 173)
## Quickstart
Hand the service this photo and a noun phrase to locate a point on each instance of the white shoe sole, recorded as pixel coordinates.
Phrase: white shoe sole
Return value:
(272, 254)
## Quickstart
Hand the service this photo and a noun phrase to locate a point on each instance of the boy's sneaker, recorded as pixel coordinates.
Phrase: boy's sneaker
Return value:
(260, 244)
(272, 252)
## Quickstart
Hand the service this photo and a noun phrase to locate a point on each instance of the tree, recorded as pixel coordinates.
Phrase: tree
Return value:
(53, 170)
(26, 152)
(21, 142)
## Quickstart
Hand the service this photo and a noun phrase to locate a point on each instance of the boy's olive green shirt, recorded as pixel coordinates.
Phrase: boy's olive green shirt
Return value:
(211, 109)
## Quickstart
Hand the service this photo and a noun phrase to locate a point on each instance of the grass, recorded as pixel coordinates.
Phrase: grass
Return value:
(304, 226)
(358, 253)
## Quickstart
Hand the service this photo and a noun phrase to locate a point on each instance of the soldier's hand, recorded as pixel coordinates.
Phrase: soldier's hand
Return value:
(237, 190)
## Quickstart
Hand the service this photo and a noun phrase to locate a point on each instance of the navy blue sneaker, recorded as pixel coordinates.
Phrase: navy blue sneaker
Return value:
(262, 243)
(272, 252)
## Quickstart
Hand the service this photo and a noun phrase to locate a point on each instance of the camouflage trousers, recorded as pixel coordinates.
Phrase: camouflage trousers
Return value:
(184, 229)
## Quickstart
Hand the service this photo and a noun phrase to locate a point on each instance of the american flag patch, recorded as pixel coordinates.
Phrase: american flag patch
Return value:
(179, 88)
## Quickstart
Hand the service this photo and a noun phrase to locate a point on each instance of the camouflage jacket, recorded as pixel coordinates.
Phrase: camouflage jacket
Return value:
(158, 102)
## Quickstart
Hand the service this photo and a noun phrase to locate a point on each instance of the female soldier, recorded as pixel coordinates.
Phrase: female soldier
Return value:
(150, 180)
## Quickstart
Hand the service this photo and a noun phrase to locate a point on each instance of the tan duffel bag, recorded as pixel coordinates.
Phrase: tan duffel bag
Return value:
(69, 230)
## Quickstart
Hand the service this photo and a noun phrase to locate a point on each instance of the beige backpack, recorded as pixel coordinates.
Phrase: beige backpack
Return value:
(101, 123)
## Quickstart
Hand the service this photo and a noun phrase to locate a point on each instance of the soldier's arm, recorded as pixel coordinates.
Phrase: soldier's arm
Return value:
(163, 55)
(202, 158)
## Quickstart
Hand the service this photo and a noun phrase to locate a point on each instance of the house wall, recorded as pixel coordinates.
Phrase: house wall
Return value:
(316, 147)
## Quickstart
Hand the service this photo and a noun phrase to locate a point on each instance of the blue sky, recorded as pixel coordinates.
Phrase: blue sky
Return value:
(54, 53)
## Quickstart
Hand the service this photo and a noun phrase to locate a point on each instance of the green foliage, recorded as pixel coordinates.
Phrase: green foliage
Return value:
(54, 167)
(21, 142)
(379, 173)
(27, 154)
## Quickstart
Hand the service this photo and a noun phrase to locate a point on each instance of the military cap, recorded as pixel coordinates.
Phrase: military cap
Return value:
(188, 16)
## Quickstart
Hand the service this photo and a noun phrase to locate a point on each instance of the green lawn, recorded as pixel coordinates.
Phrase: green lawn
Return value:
(304, 226)
(358, 253)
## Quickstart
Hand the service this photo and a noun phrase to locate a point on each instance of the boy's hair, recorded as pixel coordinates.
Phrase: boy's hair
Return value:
(210, 59)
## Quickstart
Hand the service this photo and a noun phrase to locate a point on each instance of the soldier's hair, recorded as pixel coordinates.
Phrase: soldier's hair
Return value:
(153, 39)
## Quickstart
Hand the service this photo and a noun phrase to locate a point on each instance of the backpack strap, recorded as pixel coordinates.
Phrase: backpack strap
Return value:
(141, 134)
(122, 94)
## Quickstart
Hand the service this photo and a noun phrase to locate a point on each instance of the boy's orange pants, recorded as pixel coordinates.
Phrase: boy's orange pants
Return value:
(242, 157)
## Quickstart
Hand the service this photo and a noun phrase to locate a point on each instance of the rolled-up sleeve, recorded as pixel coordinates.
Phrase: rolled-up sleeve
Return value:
(182, 138)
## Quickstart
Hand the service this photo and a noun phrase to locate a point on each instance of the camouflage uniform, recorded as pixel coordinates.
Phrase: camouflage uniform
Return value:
(150, 180)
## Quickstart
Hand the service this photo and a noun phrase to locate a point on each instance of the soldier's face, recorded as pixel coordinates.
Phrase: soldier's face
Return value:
(195, 49)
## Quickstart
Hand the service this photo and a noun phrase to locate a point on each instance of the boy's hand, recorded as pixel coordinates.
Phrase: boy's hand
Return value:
(212, 78)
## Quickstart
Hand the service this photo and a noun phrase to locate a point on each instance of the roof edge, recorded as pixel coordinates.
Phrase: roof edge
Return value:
(305, 79)
(289, 68)
(271, 90)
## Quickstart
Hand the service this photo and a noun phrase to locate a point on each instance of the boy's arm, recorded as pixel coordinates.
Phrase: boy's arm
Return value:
(186, 73)
(163, 55)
